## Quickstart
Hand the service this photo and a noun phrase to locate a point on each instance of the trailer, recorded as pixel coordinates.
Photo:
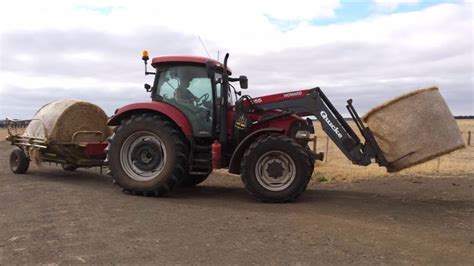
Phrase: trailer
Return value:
(70, 155)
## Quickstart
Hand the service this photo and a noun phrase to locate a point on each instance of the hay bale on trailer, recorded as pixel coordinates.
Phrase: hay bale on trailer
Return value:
(414, 128)
(69, 132)
(61, 121)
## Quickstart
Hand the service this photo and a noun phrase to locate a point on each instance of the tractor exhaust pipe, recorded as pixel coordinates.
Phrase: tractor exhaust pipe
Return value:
(224, 104)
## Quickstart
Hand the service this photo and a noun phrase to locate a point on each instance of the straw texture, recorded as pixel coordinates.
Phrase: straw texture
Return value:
(414, 128)
(58, 121)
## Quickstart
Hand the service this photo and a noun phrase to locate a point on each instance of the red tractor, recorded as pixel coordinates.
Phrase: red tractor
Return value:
(197, 120)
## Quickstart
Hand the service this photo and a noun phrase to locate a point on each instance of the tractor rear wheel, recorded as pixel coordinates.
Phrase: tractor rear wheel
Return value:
(147, 155)
(193, 180)
(276, 169)
(19, 162)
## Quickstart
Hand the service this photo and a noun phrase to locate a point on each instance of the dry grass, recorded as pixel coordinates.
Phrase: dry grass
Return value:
(4, 133)
(338, 167)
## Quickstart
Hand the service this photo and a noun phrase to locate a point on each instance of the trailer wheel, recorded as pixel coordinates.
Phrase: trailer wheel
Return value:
(193, 180)
(19, 162)
(276, 169)
(147, 155)
(69, 167)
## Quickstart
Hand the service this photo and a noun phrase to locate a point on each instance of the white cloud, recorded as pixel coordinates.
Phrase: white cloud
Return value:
(297, 9)
(241, 25)
(69, 46)
(391, 5)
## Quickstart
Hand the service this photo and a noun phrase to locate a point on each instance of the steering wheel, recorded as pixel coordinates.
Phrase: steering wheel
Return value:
(202, 99)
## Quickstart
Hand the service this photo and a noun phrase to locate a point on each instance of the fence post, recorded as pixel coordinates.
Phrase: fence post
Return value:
(315, 145)
(469, 138)
(326, 150)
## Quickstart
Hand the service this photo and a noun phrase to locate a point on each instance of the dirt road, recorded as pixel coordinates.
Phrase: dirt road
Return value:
(52, 216)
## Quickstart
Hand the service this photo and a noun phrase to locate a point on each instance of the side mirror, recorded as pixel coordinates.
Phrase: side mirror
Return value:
(147, 87)
(211, 69)
(244, 82)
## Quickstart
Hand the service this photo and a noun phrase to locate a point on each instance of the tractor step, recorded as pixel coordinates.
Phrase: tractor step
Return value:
(198, 173)
(201, 160)
(202, 148)
(201, 164)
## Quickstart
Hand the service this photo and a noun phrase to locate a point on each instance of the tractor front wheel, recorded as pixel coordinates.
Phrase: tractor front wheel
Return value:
(147, 155)
(276, 169)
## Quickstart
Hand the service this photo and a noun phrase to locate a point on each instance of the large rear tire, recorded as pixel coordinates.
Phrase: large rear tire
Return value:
(147, 155)
(276, 169)
(19, 162)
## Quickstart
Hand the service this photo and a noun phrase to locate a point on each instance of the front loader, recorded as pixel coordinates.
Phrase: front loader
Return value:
(197, 120)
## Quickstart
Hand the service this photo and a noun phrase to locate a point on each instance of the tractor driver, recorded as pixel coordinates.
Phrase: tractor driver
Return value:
(182, 93)
(198, 113)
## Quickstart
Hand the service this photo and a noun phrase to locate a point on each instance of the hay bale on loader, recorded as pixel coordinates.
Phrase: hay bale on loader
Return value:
(414, 128)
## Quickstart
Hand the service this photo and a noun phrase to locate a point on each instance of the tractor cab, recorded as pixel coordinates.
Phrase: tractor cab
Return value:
(192, 84)
(188, 88)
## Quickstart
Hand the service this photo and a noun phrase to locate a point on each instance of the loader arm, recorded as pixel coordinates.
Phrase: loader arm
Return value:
(313, 102)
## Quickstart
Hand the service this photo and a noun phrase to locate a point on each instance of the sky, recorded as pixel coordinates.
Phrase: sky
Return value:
(369, 51)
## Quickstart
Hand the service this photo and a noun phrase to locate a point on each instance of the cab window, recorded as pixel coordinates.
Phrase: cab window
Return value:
(189, 89)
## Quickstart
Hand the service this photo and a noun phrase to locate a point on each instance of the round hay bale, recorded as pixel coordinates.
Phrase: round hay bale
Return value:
(414, 128)
(59, 121)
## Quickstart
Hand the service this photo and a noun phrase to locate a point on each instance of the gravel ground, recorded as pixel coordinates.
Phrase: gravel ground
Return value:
(53, 216)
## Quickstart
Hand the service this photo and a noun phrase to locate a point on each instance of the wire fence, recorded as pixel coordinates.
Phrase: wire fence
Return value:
(14, 124)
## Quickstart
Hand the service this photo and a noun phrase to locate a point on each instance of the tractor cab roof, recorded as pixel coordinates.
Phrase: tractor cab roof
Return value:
(187, 59)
